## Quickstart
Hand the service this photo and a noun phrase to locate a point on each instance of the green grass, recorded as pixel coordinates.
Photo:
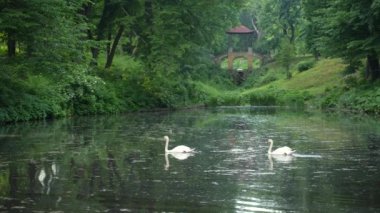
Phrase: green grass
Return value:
(268, 85)
(324, 75)
(214, 96)
(272, 88)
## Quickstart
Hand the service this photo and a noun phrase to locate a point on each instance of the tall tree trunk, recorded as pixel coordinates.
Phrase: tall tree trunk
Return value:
(149, 12)
(86, 11)
(111, 55)
(100, 29)
(11, 45)
(145, 45)
(292, 32)
(255, 28)
(94, 50)
(373, 67)
(95, 54)
(109, 39)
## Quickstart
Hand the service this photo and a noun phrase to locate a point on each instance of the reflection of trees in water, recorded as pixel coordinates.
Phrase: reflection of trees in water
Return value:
(35, 183)
(112, 170)
(29, 181)
(98, 167)
(113, 163)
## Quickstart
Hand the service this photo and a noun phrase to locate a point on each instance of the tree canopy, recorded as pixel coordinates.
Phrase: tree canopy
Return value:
(59, 55)
(346, 29)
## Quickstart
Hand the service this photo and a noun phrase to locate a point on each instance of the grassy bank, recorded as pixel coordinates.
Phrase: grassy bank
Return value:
(127, 87)
(324, 85)
(269, 86)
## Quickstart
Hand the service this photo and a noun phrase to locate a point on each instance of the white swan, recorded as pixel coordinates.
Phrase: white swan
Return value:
(280, 151)
(178, 149)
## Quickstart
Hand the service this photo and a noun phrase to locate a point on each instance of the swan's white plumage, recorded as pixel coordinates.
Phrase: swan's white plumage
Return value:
(177, 149)
(181, 155)
(280, 151)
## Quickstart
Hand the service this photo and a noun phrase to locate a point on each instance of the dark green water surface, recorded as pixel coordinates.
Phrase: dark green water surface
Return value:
(118, 163)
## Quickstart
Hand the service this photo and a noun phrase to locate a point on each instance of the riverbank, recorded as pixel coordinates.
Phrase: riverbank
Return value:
(323, 85)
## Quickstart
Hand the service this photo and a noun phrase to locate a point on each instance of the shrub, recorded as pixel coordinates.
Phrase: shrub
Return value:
(267, 79)
(351, 80)
(330, 99)
(352, 67)
(262, 99)
(89, 94)
(305, 65)
(26, 96)
(294, 98)
(362, 99)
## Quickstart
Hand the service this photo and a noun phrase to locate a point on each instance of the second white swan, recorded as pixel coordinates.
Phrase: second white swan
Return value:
(280, 151)
(177, 149)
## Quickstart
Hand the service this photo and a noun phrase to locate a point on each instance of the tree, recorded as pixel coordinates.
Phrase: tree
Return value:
(274, 20)
(110, 18)
(285, 56)
(350, 30)
(289, 16)
(312, 30)
(181, 28)
(177, 38)
(51, 32)
(13, 23)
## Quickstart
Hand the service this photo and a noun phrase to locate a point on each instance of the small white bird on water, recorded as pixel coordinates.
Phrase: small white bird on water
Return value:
(280, 151)
(177, 149)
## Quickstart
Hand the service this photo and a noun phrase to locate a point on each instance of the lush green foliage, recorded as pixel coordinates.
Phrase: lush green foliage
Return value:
(346, 28)
(66, 57)
(362, 99)
(152, 51)
(305, 65)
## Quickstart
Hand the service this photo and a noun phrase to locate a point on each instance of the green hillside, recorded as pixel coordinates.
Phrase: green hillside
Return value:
(327, 73)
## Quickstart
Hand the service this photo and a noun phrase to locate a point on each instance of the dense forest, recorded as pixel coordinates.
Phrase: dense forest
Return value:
(78, 57)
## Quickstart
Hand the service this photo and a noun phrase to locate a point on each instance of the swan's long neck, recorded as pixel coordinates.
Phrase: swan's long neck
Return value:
(270, 147)
(167, 145)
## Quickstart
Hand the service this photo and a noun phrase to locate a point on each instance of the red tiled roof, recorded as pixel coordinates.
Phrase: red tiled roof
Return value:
(240, 30)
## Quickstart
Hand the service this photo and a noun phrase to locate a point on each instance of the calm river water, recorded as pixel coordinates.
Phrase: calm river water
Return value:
(118, 163)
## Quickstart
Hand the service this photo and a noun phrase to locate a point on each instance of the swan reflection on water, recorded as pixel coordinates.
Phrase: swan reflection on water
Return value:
(42, 176)
(178, 156)
(279, 159)
(288, 158)
(46, 176)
